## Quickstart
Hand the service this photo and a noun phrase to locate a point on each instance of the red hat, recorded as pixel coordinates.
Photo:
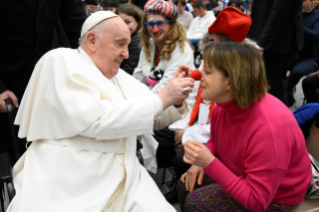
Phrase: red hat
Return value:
(233, 23)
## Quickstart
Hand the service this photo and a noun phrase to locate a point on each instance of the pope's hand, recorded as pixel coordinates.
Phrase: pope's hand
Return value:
(5, 95)
(193, 174)
(197, 154)
(174, 92)
(182, 69)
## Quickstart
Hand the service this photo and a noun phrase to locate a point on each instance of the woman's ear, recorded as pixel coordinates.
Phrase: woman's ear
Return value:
(91, 41)
(228, 87)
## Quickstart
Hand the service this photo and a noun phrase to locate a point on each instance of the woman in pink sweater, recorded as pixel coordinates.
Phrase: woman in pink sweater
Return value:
(256, 158)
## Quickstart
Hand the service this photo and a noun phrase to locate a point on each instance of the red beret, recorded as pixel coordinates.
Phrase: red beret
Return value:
(233, 23)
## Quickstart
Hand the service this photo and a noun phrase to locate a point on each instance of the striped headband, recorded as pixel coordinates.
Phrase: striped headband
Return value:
(160, 7)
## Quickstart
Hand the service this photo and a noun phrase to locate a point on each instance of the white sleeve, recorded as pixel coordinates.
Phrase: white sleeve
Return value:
(138, 71)
(176, 60)
(125, 118)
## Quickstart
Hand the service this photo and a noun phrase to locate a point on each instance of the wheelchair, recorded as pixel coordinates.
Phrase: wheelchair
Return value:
(6, 179)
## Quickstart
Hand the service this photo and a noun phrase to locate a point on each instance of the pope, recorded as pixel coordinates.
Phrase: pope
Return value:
(83, 114)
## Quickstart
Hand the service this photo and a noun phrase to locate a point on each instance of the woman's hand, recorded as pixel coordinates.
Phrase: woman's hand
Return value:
(197, 154)
(189, 178)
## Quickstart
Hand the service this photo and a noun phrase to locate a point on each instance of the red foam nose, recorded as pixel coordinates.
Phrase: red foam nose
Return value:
(196, 75)
(155, 30)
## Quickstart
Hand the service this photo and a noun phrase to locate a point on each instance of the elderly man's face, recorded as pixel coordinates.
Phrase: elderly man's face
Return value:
(112, 49)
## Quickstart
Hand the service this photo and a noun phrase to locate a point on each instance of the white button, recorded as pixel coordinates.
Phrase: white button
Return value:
(121, 164)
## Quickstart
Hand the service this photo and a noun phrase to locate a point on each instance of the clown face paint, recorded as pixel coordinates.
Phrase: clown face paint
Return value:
(157, 34)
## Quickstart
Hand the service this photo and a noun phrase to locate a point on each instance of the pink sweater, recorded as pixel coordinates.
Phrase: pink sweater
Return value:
(262, 154)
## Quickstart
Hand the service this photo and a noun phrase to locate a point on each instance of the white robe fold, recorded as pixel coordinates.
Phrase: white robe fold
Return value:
(84, 128)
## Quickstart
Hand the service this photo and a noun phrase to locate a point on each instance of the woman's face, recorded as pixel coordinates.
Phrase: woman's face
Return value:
(315, 2)
(214, 85)
(156, 33)
(130, 21)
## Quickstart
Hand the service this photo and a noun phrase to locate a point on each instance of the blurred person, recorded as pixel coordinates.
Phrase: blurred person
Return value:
(316, 4)
(27, 34)
(235, 3)
(256, 158)
(132, 16)
(215, 7)
(185, 17)
(91, 6)
(164, 48)
(164, 45)
(277, 29)
(208, 5)
(200, 23)
(80, 110)
(308, 57)
(110, 5)
(310, 88)
(189, 7)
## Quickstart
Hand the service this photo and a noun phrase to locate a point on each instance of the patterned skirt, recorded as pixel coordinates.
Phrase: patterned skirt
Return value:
(211, 197)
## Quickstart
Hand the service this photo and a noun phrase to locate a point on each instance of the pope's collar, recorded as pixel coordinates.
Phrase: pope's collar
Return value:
(85, 55)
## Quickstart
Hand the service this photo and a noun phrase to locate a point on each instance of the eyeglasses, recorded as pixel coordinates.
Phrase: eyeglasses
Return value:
(160, 24)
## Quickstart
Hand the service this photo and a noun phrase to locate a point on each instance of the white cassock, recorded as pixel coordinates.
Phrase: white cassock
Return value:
(84, 127)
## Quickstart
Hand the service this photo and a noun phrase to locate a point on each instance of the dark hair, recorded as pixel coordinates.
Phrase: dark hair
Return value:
(237, 3)
(110, 3)
(132, 10)
(182, 2)
(199, 4)
(91, 2)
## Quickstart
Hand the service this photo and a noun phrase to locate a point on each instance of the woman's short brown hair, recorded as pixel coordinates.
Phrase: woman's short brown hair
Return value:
(132, 10)
(243, 65)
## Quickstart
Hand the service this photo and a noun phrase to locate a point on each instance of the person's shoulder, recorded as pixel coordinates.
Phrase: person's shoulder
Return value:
(274, 111)
(134, 83)
(189, 15)
(59, 53)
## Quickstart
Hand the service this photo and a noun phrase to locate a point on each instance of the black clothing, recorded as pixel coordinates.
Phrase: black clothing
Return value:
(26, 35)
(209, 7)
(276, 26)
(311, 36)
(310, 87)
(134, 48)
(166, 148)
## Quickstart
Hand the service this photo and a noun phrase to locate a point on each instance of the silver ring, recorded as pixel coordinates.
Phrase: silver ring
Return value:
(186, 91)
(187, 156)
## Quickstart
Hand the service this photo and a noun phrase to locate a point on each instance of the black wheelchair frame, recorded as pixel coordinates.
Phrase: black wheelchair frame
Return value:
(6, 179)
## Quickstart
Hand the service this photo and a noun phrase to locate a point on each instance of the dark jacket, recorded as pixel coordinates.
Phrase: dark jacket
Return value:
(209, 7)
(134, 48)
(27, 28)
(311, 36)
(276, 25)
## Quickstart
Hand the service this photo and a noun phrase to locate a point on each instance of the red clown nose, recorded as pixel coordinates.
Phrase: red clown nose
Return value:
(196, 75)
(155, 30)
